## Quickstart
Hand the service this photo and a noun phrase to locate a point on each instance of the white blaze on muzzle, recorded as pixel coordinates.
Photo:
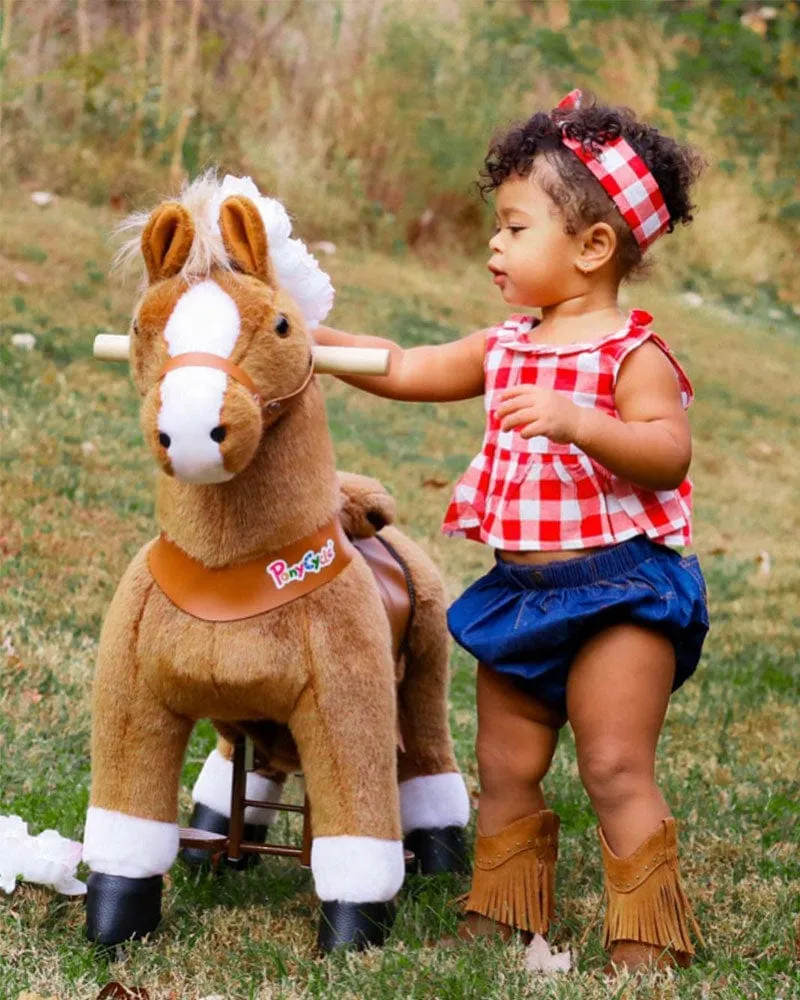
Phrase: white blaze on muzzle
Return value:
(205, 319)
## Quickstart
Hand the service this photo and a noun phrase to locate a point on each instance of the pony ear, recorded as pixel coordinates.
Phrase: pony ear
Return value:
(167, 240)
(245, 238)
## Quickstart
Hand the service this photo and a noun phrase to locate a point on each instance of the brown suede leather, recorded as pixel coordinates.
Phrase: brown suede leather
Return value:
(231, 593)
(513, 881)
(649, 919)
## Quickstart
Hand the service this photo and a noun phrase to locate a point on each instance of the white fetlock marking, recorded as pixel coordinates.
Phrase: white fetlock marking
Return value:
(263, 789)
(213, 790)
(357, 869)
(117, 844)
(434, 801)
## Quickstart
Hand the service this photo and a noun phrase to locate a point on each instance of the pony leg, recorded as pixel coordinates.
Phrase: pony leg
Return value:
(212, 805)
(434, 803)
(131, 835)
(344, 727)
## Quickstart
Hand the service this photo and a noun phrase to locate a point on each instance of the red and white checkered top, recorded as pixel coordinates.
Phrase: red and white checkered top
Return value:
(534, 494)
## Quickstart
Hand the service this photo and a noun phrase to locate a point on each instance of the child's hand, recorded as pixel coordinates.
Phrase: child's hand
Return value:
(539, 411)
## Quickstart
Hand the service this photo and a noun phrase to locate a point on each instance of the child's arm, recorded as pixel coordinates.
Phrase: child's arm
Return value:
(650, 446)
(434, 374)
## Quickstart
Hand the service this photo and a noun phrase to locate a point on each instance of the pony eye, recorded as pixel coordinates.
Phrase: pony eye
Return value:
(282, 326)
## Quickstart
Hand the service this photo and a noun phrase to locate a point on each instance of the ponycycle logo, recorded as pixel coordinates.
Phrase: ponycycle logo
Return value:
(312, 562)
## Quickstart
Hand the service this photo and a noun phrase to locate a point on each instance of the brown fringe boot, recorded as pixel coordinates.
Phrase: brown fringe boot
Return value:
(513, 879)
(648, 915)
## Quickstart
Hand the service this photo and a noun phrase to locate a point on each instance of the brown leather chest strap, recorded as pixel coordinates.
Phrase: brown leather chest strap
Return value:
(245, 590)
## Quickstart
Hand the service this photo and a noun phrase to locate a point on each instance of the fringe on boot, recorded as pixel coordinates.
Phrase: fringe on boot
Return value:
(513, 877)
(648, 916)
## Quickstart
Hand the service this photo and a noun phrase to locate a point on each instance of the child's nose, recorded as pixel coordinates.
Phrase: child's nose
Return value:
(494, 243)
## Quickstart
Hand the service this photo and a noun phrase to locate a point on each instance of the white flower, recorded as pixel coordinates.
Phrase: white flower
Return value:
(48, 859)
(24, 341)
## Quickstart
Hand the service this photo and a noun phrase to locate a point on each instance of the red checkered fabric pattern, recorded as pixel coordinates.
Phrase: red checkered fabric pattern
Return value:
(536, 495)
(630, 185)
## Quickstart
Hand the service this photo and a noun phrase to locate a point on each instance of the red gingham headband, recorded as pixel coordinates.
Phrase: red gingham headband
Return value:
(626, 180)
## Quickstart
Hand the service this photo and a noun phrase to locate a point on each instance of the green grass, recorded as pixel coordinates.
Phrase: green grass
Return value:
(76, 501)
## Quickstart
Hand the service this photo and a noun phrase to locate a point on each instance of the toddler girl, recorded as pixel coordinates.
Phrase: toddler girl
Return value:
(589, 615)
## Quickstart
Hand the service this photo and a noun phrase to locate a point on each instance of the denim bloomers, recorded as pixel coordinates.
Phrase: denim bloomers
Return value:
(529, 621)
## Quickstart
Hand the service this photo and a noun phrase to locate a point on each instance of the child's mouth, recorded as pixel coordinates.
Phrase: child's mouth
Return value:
(498, 277)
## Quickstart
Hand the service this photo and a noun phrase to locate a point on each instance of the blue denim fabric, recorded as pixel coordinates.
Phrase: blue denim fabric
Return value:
(530, 621)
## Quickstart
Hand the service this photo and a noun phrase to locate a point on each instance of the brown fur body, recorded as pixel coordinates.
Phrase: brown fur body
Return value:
(321, 665)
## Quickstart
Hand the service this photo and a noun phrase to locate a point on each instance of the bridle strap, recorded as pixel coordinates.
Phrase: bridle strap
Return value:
(201, 359)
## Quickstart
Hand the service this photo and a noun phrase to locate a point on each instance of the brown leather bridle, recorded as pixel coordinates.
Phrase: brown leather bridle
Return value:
(200, 359)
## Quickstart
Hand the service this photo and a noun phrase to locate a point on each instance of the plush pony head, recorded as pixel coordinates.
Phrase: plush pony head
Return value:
(220, 344)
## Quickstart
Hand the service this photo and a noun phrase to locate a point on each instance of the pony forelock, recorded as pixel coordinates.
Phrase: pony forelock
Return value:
(298, 272)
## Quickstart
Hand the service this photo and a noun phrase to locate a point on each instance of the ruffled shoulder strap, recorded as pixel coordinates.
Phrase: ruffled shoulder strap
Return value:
(640, 334)
(687, 391)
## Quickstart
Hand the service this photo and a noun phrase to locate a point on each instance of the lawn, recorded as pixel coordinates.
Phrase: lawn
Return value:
(76, 501)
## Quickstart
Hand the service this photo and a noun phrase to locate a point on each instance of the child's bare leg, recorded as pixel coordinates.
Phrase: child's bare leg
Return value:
(516, 848)
(618, 690)
(517, 736)
(617, 695)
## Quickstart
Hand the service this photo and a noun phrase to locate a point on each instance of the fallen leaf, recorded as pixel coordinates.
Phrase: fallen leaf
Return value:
(692, 299)
(41, 198)
(539, 958)
(324, 246)
(33, 696)
(23, 277)
(9, 546)
(434, 483)
(116, 991)
(764, 563)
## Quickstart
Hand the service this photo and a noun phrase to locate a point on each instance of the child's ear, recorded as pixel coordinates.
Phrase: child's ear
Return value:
(597, 247)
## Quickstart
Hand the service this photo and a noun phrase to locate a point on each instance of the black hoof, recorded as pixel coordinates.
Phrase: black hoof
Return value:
(119, 908)
(354, 926)
(439, 850)
(205, 818)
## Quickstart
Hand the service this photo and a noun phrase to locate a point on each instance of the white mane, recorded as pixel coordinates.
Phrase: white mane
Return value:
(298, 272)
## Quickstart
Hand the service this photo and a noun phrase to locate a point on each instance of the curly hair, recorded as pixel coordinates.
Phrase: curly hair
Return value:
(582, 200)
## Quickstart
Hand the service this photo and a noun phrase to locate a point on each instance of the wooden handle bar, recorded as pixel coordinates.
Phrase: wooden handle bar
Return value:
(327, 360)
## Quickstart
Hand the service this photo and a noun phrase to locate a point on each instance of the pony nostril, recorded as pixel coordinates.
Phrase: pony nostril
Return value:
(164, 440)
(218, 434)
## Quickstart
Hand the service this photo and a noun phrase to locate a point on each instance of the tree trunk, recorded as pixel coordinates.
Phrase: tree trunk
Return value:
(187, 112)
(5, 46)
(142, 38)
(166, 62)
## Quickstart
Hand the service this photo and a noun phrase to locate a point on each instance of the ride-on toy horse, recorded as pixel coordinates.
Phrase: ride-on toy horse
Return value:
(253, 605)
